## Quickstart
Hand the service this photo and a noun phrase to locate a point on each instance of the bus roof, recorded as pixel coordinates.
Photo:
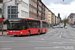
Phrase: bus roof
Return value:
(1, 19)
(30, 18)
(43, 20)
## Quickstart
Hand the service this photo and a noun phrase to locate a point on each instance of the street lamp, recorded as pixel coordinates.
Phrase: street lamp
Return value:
(3, 14)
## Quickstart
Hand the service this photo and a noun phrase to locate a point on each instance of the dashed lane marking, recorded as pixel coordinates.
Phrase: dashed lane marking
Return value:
(43, 48)
(55, 47)
(5, 41)
(42, 39)
(37, 41)
(63, 42)
(5, 48)
(60, 35)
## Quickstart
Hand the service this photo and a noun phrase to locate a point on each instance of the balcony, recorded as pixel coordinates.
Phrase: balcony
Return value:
(1, 1)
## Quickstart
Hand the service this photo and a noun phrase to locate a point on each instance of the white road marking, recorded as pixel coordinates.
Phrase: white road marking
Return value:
(43, 47)
(55, 47)
(63, 42)
(72, 40)
(42, 39)
(37, 41)
(4, 48)
(6, 41)
(41, 35)
(19, 39)
(31, 37)
(60, 35)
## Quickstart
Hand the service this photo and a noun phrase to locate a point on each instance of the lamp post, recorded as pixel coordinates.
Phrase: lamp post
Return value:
(3, 13)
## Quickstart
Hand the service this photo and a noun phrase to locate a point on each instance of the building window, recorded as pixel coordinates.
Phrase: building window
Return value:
(13, 16)
(12, 12)
(8, 11)
(0, 11)
(17, 1)
(8, 6)
(39, 3)
(8, 16)
(24, 4)
(14, 7)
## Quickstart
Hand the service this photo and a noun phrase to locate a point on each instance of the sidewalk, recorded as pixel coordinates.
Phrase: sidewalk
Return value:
(4, 33)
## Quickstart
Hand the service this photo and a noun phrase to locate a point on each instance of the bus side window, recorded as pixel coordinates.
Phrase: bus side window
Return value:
(25, 24)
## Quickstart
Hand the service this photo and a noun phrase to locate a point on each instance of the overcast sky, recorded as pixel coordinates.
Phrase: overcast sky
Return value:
(58, 6)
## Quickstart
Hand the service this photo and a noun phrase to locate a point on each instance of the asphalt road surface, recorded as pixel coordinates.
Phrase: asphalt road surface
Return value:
(54, 39)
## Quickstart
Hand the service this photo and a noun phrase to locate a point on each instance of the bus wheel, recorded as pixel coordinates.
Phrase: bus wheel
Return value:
(45, 32)
(38, 32)
(28, 33)
(15, 35)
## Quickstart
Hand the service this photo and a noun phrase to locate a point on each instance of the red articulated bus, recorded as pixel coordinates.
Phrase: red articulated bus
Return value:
(74, 23)
(26, 26)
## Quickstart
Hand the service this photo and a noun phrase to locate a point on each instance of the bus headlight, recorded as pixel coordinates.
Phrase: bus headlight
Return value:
(21, 32)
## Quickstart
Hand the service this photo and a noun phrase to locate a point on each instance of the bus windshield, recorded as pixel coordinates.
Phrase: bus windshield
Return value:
(15, 26)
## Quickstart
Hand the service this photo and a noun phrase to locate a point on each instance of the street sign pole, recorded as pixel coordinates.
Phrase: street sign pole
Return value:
(3, 13)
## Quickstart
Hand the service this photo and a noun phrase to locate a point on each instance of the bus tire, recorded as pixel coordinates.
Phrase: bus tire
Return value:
(28, 33)
(38, 32)
(45, 32)
(15, 35)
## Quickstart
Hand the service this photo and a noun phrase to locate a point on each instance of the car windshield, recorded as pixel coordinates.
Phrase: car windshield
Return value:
(15, 26)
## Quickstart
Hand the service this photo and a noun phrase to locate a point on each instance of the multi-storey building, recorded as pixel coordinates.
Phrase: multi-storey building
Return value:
(57, 20)
(49, 17)
(36, 9)
(39, 9)
(46, 14)
(33, 9)
(15, 8)
(71, 18)
(53, 16)
(25, 8)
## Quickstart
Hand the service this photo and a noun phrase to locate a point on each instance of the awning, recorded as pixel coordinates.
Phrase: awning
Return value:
(1, 19)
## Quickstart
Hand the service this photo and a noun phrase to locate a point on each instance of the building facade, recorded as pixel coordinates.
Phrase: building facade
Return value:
(71, 18)
(18, 8)
(39, 9)
(33, 9)
(14, 9)
(26, 8)
(49, 17)
(53, 19)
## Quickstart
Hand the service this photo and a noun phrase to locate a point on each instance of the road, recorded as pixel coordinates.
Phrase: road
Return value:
(54, 39)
